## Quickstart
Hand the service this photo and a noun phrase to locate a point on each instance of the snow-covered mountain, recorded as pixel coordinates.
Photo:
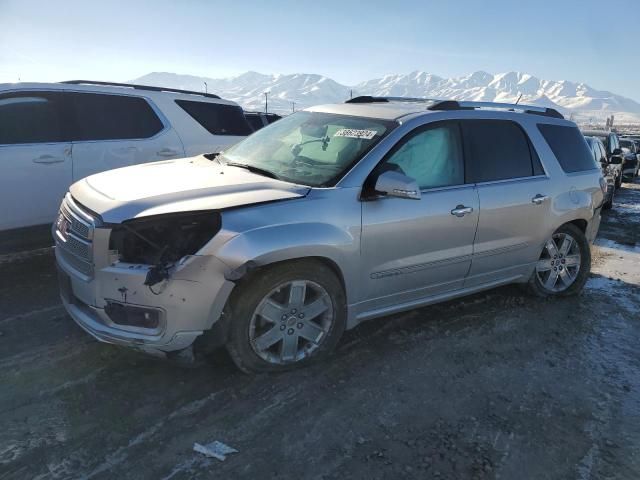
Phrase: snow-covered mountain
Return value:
(571, 98)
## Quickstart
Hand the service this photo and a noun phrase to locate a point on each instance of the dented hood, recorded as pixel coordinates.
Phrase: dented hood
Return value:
(182, 185)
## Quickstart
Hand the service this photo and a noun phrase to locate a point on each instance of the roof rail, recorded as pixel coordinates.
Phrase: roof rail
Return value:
(512, 107)
(371, 99)
(139, 87)
(461, 105)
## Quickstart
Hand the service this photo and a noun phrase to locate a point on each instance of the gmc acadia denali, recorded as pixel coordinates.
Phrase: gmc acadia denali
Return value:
(324, 219)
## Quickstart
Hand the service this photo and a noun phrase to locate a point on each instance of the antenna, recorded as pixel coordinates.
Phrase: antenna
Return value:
(518, 101)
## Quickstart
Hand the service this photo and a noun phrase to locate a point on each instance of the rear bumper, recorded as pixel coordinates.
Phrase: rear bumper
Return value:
(593, 225)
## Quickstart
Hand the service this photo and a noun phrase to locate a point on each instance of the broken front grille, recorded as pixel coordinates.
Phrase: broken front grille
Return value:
(74, 234)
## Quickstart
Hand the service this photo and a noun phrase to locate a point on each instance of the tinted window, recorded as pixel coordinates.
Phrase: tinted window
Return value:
(628, 144)
(216, 118)
(614, 142)
(272, 117)
(255, 121)
(30, 117)
(569, 147)
(432, 157)
(113, 117)
(603, 153)
(496, 150)
(535, 160)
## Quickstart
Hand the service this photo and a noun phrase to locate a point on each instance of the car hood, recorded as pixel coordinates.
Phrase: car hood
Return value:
(182, 185)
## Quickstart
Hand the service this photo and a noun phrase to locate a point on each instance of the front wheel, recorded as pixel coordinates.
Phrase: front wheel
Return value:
(564, 264)
(285, 316)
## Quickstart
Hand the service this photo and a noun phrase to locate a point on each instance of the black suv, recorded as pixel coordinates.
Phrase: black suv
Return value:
(610, 172)
(257, 120)
(612, 148)
(630, 165)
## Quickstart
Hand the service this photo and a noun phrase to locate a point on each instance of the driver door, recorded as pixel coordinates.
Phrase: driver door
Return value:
(415, 249)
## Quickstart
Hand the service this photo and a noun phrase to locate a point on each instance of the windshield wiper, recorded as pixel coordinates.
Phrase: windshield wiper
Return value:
(254, 169)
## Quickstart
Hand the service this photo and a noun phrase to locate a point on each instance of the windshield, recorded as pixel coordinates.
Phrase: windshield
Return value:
(309, 148)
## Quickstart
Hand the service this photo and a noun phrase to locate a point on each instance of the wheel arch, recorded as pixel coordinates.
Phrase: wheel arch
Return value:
(252, 251)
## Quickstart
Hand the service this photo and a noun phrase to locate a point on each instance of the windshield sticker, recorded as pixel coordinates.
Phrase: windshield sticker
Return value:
(353, 133)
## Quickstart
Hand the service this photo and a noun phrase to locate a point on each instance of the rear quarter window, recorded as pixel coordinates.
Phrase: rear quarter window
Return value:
(569, 147)
(217, 118)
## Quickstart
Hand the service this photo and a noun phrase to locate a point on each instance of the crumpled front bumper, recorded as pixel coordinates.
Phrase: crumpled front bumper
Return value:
(189, 302)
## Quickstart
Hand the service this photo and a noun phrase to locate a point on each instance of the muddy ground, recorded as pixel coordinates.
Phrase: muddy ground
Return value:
(498, 385)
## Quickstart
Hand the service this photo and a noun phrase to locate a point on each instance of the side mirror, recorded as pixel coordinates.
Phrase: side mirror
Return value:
(615, 161)
(617, 151)
(395, 184)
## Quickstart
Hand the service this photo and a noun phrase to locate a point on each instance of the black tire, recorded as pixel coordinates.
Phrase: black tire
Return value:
(536, 287)
(248, 295)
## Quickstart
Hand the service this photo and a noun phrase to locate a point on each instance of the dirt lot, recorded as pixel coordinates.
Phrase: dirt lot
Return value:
(498, 385)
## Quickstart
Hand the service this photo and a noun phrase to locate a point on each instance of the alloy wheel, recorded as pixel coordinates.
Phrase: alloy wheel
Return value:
(291, 322)
(559, 263)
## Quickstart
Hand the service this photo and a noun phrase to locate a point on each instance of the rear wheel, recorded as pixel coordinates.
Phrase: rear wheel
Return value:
(564, 264)
(286, 316)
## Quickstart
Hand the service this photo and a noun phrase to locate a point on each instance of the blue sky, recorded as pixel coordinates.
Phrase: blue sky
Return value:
(347, 41)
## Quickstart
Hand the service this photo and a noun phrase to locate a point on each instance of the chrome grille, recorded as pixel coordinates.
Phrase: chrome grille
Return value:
(74, 233)
(77, 227)
(77, 247)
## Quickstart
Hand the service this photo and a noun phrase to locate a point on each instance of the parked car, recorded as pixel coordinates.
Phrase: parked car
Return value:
(324, 219)
(53, 134)
(631, 152)
(257, 120)
(612, 147)
(610, 172)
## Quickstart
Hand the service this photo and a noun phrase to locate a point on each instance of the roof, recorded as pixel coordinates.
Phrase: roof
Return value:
(383, 111)
(393, 108)
(114, 88)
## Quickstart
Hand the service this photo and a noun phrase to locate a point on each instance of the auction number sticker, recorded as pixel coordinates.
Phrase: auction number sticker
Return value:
(354, 133)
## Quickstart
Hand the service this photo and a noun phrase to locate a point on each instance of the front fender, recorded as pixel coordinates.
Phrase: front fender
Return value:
(267, 245)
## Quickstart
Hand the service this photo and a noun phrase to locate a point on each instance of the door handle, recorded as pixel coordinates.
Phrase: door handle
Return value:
(167, 152)
(461, 211)
(48, 159)
(538, 199)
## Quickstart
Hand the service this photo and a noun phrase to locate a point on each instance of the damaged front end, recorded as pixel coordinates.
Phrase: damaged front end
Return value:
(141, 283)
(162, 240)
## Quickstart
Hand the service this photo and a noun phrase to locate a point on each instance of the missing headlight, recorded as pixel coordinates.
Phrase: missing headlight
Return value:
(163, 239)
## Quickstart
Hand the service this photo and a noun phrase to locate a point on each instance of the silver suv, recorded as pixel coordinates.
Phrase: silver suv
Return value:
(324, 219)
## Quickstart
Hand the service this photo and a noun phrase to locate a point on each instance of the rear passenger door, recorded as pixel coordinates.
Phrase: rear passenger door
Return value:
(35, 158)
(113, 131)
(515, 198)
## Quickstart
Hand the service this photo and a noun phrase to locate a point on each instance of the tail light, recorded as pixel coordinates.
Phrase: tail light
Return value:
(603, 185)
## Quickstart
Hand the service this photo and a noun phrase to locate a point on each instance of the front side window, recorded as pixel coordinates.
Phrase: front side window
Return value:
(309, 148)
(113, 117)
(30, 117)
(432, 157)
(496, 150)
